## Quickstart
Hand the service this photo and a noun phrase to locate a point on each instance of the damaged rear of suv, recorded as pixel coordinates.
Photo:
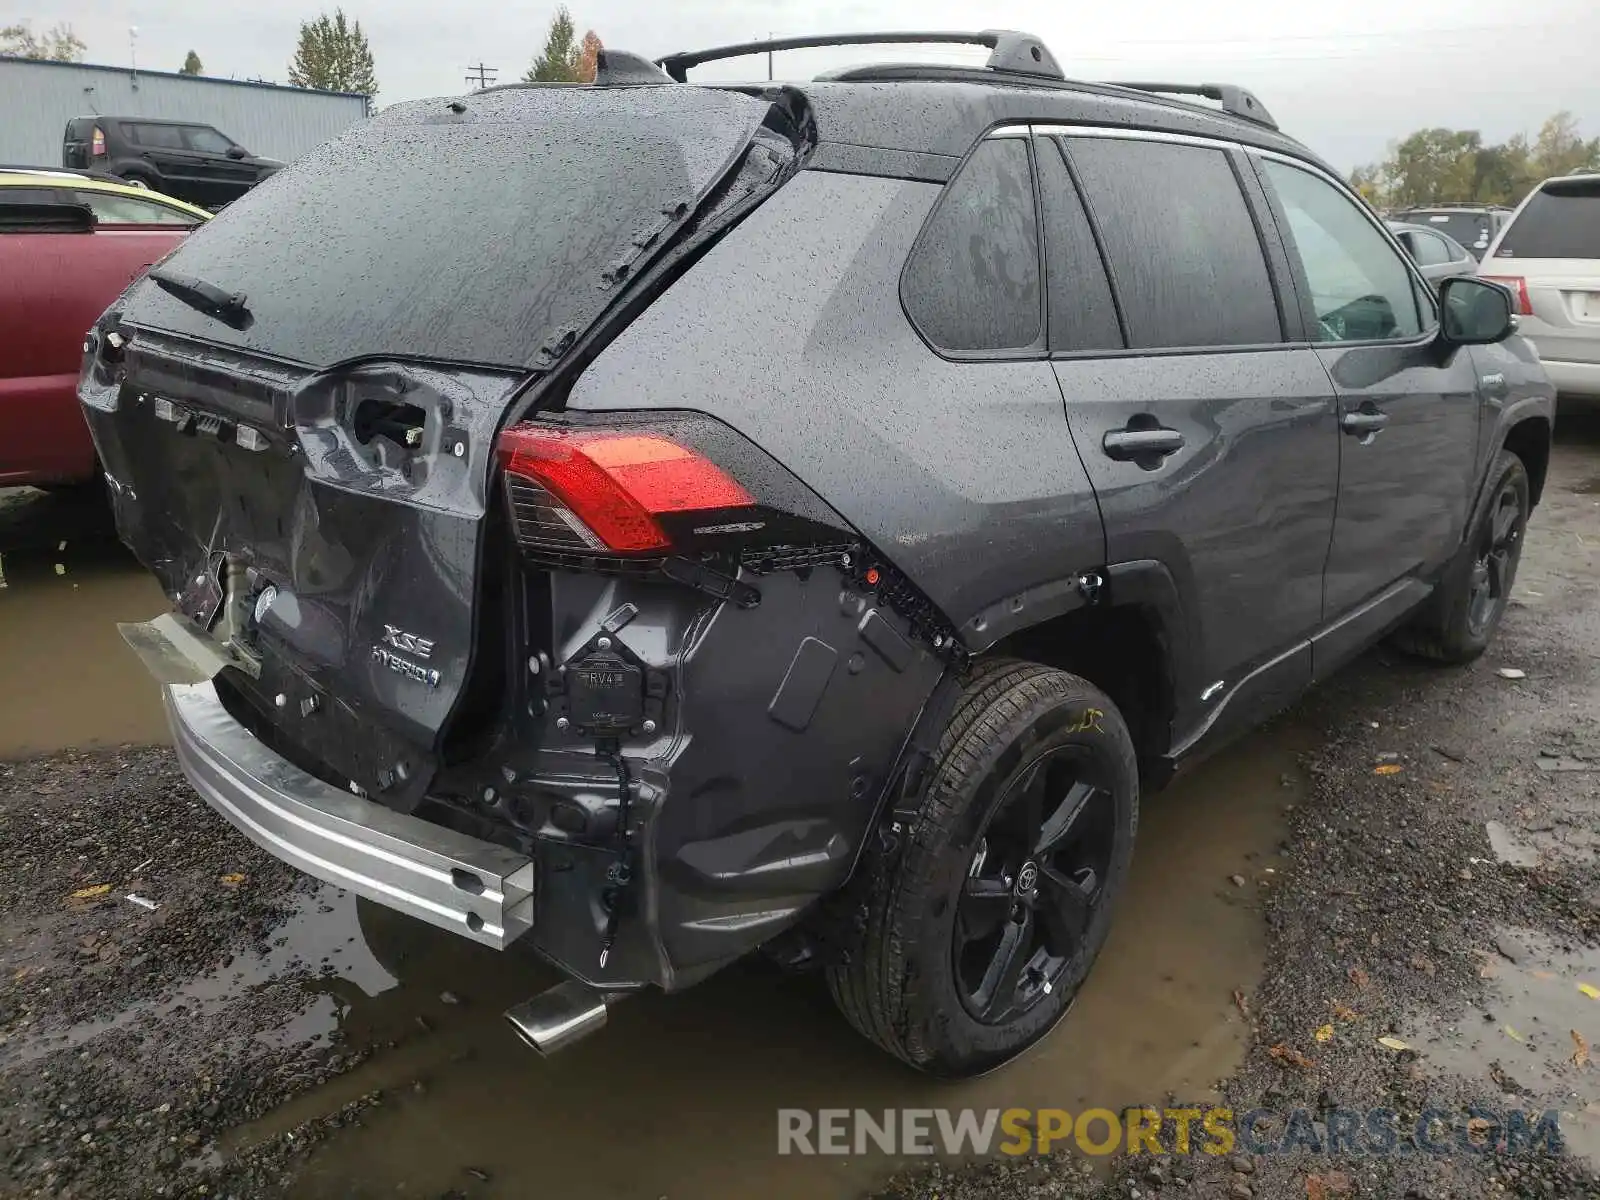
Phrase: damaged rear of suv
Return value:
(638, 523)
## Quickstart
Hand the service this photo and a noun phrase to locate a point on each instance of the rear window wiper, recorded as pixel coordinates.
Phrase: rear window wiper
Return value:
(227, 307)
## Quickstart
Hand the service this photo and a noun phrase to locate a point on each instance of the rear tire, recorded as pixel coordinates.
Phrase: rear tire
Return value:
(1459, 620)
(142, 182)
(972, 940)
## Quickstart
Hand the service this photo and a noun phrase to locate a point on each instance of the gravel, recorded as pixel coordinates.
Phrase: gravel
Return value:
(120, 1061)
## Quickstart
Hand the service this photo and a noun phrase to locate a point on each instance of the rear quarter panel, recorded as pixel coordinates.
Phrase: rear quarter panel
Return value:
(52, 288)
(962, 474)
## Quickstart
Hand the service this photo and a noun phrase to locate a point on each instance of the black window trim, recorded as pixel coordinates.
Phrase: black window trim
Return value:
(1279, 271)
(1430, 317)
(1038, 349)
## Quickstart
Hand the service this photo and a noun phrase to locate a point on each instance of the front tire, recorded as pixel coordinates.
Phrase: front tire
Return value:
(978, 932)
(1459, 620)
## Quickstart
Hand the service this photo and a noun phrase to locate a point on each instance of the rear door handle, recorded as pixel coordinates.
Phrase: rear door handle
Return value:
(1364, 422)
(1127, 444)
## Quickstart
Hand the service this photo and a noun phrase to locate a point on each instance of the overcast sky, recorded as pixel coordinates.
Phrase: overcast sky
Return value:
(1346, 87)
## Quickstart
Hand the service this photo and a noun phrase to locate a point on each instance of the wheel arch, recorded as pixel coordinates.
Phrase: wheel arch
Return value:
(124, 167)
(1133, 643)
(1529, 439)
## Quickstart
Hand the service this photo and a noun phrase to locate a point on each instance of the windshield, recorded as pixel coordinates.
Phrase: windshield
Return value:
(480, 236)
(1474, 230)
(1561, 220)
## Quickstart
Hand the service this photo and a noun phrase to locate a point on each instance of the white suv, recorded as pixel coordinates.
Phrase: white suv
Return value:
(1549, 256)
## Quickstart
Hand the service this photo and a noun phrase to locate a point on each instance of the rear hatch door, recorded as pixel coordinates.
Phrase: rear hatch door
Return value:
(1553, 244)
(320, 445)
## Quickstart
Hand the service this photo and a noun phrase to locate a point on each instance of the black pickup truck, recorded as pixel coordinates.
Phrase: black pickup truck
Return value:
(649, 522)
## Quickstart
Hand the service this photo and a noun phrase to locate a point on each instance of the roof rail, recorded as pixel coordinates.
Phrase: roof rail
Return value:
(1238, 101)
(1018, 53)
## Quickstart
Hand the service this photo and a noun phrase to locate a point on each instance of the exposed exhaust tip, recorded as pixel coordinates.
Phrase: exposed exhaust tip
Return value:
(554, 1019)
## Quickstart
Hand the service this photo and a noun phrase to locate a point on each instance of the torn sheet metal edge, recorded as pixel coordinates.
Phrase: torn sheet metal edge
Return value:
(177, 651)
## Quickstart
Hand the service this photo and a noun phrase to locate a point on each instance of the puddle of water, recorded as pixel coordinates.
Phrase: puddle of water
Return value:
(1508, 849)
(679, 1095)
(58, 629)
(1523, 1037)
(319, 943)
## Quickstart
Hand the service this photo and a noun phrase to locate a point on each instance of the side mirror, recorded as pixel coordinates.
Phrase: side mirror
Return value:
(1475, 312)
(238, 152)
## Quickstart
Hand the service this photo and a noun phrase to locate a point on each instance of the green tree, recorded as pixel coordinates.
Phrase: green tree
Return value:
(1368, 181)
(1452, 166)
(58, 44)
(564, 59)
(333, 56)
(191, 64)
(1502, 173)
(1561, 150)
(1431, 166)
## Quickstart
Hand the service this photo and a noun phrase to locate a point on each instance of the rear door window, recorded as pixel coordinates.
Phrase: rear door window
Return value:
(1183, 249)
(1083, 315)
(206, 140)
(109, 208)
(1430, 251)
(972, 281)
(1560, 220)
(157, 137)
(1361, 288)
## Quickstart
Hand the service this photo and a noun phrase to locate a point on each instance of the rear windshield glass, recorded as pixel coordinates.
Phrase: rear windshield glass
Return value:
(1561, 220)
(477, 237)
(1469, 228)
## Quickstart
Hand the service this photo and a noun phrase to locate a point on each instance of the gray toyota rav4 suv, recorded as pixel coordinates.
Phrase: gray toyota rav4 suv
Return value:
(648, 522)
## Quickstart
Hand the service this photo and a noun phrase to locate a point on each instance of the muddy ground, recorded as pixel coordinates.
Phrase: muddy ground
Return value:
(256, 1035)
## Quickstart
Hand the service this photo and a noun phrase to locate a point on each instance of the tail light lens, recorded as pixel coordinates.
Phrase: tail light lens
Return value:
(1519, 289)
(97, 143)
(607, 490)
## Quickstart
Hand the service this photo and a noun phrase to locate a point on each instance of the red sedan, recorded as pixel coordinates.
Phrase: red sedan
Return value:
(69, 244)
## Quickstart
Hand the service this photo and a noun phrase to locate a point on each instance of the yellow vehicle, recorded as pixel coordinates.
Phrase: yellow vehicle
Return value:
(111, 201)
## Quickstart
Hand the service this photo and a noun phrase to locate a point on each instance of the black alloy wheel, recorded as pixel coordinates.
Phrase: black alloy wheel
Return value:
(1459, 620)
(1033, 886)
(971, 933)
(1499, 551)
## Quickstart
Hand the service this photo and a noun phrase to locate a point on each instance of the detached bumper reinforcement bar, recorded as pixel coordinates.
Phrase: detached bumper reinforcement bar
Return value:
(475, 888)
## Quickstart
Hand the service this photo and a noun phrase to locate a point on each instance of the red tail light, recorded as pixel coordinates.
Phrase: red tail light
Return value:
(1519, 289)
(607, 488)
(97, 144)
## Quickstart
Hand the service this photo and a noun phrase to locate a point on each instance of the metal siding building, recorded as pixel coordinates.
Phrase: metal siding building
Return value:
(39, 98)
